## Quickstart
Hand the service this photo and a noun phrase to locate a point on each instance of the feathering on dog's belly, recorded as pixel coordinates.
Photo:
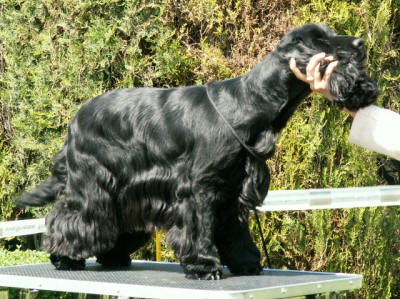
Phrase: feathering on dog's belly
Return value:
(137, 159)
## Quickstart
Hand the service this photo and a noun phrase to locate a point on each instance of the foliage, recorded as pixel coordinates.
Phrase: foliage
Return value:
(55, 55)
(19, 257)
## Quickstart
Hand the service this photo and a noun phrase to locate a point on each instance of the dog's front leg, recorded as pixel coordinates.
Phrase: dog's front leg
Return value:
(235, 245)
(192, 237)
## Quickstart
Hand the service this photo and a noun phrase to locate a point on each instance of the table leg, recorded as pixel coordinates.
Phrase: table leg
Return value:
(3, 293)
(28, 294)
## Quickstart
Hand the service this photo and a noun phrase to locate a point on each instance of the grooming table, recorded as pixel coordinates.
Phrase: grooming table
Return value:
(166, 280)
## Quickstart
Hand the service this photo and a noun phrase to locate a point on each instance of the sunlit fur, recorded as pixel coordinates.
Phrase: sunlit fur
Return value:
(140, 159)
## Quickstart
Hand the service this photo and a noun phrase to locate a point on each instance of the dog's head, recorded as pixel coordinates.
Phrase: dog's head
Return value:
(350, 86)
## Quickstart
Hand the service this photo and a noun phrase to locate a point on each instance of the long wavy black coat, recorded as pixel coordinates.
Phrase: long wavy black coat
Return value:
(140, 159)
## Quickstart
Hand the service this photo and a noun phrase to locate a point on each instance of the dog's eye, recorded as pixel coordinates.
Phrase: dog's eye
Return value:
(297, 39)
(321, 41)
(341, 55)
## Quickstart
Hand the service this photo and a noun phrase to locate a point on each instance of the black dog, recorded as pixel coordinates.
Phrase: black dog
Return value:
(140, 159)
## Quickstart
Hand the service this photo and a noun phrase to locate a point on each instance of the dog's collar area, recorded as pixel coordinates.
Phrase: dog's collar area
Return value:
(250, 151)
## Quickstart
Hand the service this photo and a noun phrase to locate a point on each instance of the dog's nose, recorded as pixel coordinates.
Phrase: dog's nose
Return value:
(358, 43)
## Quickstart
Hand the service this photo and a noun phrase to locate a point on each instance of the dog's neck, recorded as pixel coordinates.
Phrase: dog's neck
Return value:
(272, 84)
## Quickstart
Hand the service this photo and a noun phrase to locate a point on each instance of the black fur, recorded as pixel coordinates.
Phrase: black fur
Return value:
(146, 158)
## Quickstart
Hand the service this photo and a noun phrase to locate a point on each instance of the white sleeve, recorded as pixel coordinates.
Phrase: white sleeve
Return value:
(377, 129)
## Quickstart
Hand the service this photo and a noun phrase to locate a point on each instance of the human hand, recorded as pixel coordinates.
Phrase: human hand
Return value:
(313, 75)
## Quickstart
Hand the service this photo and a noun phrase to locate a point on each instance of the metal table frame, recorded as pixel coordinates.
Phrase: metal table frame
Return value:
(167, 281)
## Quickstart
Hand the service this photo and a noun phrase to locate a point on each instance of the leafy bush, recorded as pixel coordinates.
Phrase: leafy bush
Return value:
(19, 257)
(55, 55)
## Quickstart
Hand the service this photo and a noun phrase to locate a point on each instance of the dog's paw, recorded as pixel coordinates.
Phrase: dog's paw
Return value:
(108, 260)
(253, 268)
(214, 275)
(208, 269)
(66, 263)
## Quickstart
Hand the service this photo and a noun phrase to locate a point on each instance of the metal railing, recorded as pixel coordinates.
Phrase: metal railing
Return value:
(334, 198)
(283, 200)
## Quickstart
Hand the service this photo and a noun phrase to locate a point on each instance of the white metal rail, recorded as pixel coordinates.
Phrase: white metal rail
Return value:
(22, 227)
(285, 200)
(335, 198)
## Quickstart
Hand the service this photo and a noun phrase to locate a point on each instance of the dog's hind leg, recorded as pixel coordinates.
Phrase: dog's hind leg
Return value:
(80, 227)
(126, 244)
(236, 247)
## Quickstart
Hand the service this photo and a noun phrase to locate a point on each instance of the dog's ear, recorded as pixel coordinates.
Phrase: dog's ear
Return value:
(255, 186)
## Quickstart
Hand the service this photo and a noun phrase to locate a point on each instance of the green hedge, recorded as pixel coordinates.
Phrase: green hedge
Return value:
(55, 55)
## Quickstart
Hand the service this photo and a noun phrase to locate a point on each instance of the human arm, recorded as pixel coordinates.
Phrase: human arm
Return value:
(377, 129)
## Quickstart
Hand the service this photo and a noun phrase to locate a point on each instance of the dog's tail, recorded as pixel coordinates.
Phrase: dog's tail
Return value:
(51, 188)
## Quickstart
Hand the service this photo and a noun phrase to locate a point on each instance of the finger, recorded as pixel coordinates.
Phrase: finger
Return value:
(317, 74)
(312, 64)
(296, 70)
(329, 70)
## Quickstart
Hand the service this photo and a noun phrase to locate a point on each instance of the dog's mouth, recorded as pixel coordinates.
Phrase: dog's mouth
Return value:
(351, 87)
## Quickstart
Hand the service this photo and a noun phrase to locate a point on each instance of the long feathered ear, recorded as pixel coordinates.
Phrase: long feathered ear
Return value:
(255, 186)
